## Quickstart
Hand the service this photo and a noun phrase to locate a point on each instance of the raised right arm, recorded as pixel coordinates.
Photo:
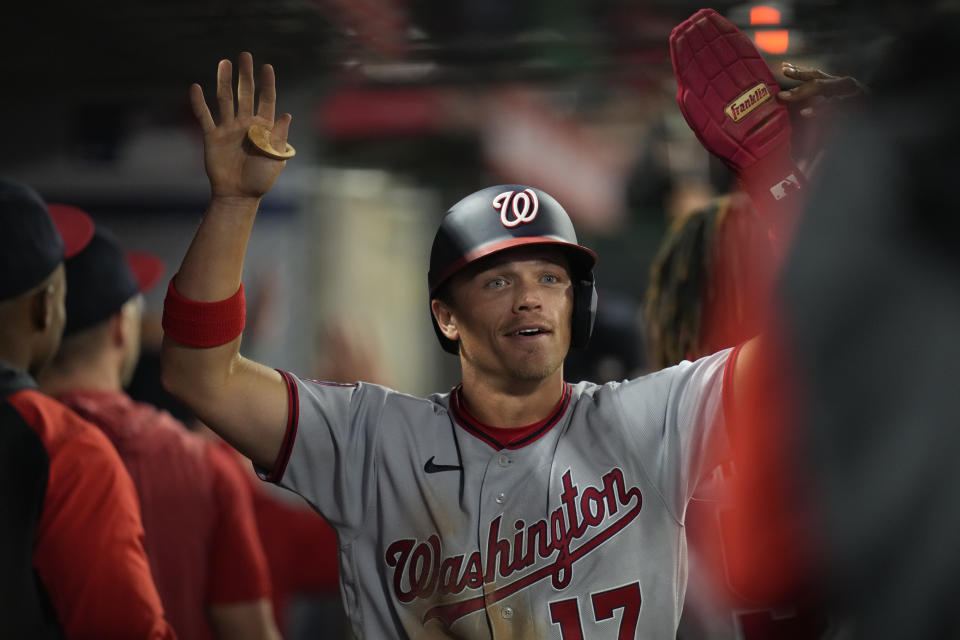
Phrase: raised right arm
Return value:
(243, 401)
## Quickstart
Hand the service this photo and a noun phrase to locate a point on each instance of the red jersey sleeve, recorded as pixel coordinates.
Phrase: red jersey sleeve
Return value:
(238, 565)
(89, 549)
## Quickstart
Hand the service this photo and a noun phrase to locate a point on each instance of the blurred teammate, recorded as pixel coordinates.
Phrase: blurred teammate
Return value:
(770, 544)
(71, 541)
(201, 536)
(710, 282)
(873, 292)
(711, 287)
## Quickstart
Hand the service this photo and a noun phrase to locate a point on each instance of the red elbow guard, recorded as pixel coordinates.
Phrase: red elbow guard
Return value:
(727, 94)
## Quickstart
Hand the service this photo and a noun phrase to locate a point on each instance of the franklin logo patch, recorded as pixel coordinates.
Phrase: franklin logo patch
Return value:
(747, 102)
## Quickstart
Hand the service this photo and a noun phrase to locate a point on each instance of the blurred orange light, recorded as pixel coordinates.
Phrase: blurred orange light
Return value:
(764, 15)
(772, 41)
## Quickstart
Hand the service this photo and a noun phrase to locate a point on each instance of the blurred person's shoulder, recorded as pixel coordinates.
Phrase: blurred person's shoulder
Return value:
(57, 424)
(135, 428)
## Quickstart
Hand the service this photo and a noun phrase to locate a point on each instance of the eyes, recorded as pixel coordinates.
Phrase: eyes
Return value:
(547, 278)
(496, 283)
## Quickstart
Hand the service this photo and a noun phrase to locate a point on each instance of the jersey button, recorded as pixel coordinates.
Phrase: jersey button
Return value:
(501, 497)
(506, 612)
(503, 460)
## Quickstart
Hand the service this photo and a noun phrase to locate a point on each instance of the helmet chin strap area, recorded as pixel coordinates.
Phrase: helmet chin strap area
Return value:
(584, 312)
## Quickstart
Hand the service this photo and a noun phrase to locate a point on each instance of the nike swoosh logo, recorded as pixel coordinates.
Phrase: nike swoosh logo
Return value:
(430, 467)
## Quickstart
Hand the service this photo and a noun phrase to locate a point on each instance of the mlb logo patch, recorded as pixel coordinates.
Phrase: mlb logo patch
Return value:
(786, 186)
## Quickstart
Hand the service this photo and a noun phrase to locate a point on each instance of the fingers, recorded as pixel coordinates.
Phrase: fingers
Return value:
(200, 110)
(245, 85)
(225, 90)
(816, 105)
(817, 83)
(812, 83)
(278, 136)
(246, 88)
(846, 87)
(803, 74)
(806, 91)
(268, 93)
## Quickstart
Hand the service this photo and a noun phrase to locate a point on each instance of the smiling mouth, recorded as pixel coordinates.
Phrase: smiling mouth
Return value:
(528, 332)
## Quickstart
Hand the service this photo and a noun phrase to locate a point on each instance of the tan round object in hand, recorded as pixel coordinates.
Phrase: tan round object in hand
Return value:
(259, 135)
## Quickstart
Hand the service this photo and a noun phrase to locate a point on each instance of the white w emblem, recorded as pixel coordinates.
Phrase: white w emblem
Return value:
(516, 209)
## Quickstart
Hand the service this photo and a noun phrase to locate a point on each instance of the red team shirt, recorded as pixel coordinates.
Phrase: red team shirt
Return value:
(89, 551)
(201, 534)
(301, 547)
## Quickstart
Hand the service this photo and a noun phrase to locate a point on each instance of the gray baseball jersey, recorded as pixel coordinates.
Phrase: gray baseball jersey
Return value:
(574, 532)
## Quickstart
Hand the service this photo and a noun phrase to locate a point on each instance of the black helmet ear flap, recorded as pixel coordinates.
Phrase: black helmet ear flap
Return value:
(584, 311)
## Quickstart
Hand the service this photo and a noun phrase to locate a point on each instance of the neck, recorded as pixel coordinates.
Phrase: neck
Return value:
(16, 343)
(94, 374)
(511, 403)
(16, 356)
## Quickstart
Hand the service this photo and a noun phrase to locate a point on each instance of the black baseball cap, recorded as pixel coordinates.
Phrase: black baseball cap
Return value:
(103, 277)
(34, 240)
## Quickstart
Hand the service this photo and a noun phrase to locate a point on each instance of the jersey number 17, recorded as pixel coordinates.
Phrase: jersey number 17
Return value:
(566, 613)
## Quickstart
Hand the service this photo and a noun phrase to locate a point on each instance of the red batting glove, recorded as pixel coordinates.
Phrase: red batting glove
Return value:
(727, 95)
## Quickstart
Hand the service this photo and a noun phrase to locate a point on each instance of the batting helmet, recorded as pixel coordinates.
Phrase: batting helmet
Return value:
(506, 216)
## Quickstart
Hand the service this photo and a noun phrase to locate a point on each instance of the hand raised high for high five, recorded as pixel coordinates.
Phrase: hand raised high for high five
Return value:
(235, 168)
(243, 401)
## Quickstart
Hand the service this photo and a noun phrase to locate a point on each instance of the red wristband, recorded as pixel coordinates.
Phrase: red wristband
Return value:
(203, 324)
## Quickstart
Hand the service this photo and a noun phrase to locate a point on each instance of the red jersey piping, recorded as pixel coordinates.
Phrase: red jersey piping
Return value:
(293, 419)
(531, 432)
(727, 399)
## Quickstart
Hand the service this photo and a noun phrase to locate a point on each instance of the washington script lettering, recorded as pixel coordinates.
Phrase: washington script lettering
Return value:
(420, 570)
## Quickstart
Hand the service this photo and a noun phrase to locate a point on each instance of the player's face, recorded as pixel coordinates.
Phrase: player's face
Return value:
(512, 313)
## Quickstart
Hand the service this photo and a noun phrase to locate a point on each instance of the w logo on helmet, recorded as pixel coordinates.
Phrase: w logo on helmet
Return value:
(514, 209)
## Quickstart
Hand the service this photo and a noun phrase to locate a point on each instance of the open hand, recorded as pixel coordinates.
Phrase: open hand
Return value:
(235, 168)
(819, 92)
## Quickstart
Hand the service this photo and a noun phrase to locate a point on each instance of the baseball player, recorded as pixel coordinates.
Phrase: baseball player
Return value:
(514, 506)
(711, 276)
(201, 536)
(72, 558)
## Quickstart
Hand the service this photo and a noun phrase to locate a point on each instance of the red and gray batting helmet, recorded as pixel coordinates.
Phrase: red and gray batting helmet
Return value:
(503, 217)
